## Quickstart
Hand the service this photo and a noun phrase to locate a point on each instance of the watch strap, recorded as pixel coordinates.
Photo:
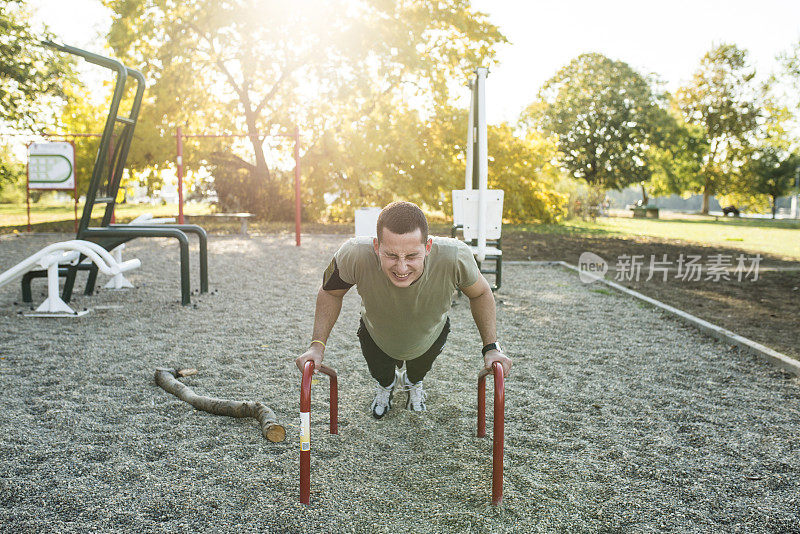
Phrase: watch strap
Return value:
(491, 346)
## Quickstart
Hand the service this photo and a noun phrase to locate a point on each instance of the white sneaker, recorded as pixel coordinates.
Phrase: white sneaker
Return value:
(383, 398)
(416, 395)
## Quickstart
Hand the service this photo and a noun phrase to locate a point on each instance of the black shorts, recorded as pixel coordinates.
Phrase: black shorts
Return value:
(381, 365)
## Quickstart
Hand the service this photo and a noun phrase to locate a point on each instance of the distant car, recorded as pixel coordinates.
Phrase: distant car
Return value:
(730, 210)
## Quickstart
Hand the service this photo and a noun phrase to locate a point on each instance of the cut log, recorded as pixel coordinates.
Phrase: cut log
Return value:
(167, 379)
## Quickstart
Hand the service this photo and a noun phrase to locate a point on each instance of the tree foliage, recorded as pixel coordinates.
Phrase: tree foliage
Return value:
(30, 76)
(771, 172)
(262, 66)
(677, 159)
(789, 79)
(601, 113)
(422, 159)
(721, 100)
(12, 175)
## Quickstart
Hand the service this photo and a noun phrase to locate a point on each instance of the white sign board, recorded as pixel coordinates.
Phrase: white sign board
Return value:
(367, 222)
(51, 166)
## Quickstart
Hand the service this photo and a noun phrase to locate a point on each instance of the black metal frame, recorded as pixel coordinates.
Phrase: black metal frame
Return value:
(498, 260)
(110, 235)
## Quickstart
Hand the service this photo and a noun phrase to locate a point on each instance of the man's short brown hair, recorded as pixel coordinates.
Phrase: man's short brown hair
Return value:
(402, 218)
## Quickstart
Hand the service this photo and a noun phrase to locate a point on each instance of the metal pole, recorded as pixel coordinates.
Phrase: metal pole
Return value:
(468, 180)
(297, 185)
(482, 158)
(305, 433)
(305, 423)
(179, 138)
(75, 183)
(28, 186)
(112, 168)
(498, 437)
(796, 197)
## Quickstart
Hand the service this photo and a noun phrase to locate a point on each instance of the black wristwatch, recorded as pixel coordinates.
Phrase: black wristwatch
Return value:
(491, 346)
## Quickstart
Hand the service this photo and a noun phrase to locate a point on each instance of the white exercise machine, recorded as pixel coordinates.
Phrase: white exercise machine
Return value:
(478, 210)
(62, 253)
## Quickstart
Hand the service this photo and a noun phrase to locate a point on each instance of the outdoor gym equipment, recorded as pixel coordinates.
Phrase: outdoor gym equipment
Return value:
(104, 186)
(51, 256)
(305, 423)
(498, 435)
(478, 210)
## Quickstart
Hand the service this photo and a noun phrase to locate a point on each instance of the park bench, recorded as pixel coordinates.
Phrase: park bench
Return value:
(241, 217)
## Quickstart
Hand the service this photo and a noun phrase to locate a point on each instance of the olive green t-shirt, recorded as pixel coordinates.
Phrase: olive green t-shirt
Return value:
(405, 321)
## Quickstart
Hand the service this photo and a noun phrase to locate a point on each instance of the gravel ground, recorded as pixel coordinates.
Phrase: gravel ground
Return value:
(618, 418)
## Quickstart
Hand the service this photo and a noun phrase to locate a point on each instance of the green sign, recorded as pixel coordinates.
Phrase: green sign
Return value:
(51, 169)
(51, 166)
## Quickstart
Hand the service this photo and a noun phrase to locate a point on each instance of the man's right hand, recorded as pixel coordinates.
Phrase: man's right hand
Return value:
(314, 354)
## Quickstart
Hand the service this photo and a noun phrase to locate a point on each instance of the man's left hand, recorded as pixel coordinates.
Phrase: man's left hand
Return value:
(495, 355)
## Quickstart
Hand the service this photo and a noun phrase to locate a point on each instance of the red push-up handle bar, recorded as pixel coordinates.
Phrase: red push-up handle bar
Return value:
(499, 425)
(305, 423)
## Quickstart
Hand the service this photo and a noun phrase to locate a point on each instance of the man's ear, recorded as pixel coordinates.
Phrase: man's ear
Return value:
(428, 245)
(375, 244)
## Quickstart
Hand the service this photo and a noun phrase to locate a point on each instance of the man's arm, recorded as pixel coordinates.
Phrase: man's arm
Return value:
(329, 304)
(481, 303)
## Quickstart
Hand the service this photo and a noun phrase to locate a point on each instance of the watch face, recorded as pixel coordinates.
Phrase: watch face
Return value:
(497, 346)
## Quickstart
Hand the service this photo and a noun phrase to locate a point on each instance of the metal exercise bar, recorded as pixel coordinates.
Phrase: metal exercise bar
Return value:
(107, 184)
(305, 423)
(499, 425)
(119, 88)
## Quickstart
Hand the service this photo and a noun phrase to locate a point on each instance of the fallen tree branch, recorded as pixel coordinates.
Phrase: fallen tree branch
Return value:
(270, 429)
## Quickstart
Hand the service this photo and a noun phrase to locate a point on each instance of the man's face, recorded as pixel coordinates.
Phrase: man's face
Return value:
(402, 256)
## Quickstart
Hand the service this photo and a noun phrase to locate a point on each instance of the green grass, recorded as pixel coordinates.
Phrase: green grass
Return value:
(601, 291)
(779, 237)
(15, 215)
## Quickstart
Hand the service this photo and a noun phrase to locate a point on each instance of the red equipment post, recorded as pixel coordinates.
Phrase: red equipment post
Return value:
(179, 139)
(28, 187)
(297, 185)
(305, 423)
(499, 425)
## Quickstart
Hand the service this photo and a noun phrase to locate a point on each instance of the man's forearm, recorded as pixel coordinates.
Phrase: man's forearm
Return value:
(483, 312)
(325, 315)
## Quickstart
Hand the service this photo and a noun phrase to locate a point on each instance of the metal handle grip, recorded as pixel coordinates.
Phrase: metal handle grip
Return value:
(305, 423)
(498, 436)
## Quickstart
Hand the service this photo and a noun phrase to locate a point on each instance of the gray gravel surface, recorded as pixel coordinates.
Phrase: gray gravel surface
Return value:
(618, 418)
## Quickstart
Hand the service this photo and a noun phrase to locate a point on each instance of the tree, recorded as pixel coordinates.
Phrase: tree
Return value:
(30, 76)
(12, 176)
(772, 173)
(789, 79)
(601, 113)
(677, 159)
(262, 66)
(721, 100)
(522, 168)
(401, 154)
